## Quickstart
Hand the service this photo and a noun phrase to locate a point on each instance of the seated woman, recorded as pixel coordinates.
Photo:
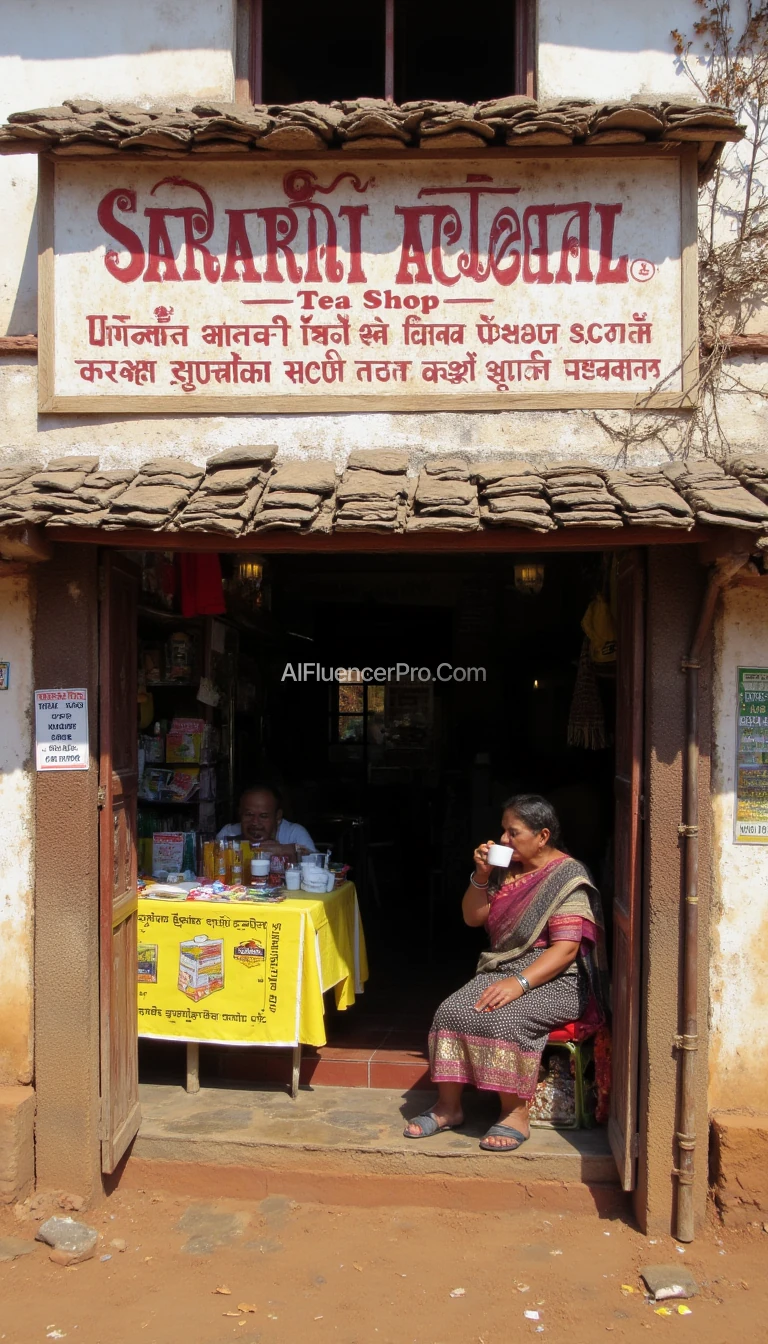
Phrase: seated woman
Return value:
(543, 918)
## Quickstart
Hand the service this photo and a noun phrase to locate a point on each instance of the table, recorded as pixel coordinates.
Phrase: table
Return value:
(246, 972)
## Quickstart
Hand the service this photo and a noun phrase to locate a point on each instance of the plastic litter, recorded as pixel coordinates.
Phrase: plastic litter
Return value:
(104, 1257)
(627, 1288)
(532, 1316)
(684, 1311)
(457, 1292)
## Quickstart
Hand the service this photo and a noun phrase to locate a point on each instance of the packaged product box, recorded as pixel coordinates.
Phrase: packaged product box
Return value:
(147, 962)
(167, 851)
(184, 741)
(183, 784)
(201, 967)
(155, 784)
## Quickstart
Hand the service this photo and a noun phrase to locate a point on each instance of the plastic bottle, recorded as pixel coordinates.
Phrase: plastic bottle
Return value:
(236, 866)
(222, 861)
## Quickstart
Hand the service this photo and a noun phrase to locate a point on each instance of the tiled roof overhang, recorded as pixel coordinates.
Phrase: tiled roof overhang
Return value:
(244, 497)
(368, 125)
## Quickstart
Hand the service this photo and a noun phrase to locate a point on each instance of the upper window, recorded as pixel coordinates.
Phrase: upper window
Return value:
(398, 49)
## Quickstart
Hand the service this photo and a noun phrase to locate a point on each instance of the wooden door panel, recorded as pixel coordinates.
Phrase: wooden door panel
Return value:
(118, 788)
(625, 984)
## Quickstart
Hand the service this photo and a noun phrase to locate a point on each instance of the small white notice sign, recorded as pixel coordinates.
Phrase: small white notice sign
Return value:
(61, 729)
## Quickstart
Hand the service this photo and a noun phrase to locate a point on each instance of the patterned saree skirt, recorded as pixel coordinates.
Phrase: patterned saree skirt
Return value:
(501, 1051)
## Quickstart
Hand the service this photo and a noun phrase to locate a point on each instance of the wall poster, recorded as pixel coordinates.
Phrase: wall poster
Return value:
(406, 283)
(750, 822)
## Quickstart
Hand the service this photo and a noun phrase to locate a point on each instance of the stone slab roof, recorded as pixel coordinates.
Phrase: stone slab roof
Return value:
(248, 490)
(81, 127)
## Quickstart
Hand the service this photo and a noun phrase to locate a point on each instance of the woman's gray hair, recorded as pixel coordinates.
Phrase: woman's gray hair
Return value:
(535, 813)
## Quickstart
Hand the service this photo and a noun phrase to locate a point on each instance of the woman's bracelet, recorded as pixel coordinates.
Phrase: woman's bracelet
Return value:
(481, 886)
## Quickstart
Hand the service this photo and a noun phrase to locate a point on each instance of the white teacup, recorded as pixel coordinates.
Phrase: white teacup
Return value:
(499, 856)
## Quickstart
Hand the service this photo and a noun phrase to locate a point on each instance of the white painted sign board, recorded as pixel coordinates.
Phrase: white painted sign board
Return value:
(61, 729)
(416, 283)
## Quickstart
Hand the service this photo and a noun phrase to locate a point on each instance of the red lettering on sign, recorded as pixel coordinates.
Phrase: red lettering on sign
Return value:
(608, 274)
(121, 199)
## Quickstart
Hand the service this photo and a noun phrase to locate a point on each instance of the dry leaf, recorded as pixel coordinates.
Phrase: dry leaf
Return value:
(224, 1290)
(230, 1313)
(359, 1268)
(245, 1306)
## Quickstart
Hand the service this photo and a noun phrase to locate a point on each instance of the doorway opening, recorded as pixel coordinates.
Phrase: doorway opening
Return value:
(487, 688)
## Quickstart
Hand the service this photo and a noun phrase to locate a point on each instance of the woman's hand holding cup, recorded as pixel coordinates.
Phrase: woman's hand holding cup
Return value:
(482, 866)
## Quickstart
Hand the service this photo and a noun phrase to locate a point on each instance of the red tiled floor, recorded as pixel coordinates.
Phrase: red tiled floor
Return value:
(406, 1040)
(387, 1056)
(322, 1072)
(400, 1076)
(349, 1052)
(362, 1039)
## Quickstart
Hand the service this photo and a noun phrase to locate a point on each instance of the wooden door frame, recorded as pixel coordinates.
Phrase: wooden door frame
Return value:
(67, 1046)
(113, 913)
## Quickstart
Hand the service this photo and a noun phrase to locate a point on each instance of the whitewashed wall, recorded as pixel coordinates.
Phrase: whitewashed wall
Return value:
(16, 811)
(739, 962)
(603, 50)
(145, 51)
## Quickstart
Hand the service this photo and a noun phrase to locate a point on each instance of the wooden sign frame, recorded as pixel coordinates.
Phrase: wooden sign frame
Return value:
(49, 402)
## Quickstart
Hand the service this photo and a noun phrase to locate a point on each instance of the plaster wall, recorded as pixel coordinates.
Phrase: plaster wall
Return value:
(149, 51)
(739, 952)
(124, 440)
(605, 51)
(16, 810)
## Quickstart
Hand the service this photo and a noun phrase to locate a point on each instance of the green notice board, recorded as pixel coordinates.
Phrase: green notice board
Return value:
(750, 824)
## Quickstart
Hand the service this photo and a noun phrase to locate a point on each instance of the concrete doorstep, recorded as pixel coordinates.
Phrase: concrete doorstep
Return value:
(346, 1146)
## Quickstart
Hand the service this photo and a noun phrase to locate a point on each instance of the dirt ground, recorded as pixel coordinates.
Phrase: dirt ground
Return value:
(211, 1273)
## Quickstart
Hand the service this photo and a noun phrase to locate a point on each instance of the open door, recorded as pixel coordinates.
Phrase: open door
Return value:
(630, 658)
(118, 786)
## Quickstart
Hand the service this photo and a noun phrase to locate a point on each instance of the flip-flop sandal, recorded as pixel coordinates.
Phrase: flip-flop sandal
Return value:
(428, 1125)
(503, 1132)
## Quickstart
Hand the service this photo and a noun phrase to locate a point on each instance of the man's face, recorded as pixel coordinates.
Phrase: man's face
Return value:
(259, 816)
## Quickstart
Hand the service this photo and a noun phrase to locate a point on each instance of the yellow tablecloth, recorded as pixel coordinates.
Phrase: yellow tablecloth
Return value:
(244, 973)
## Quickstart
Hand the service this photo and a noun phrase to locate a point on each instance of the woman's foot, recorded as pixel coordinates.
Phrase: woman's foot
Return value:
(444, 1117)
(517, 1119)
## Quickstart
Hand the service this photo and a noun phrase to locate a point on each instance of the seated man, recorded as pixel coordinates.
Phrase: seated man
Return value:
(263, 826)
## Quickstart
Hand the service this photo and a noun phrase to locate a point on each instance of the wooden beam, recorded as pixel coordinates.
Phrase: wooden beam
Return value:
(759, 581)
(243, 52)
(724, 541)
(18, 345)
(27, 543)
(503, 540)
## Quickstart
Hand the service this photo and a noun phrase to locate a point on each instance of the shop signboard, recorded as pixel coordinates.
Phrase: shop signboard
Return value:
(750, 823)
(61, 729)
(420, 282)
